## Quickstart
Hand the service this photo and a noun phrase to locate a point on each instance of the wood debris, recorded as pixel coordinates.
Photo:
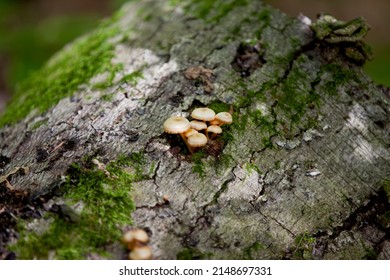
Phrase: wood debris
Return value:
(202, 74)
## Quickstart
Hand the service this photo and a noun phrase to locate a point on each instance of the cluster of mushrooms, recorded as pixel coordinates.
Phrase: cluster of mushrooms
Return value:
(135, 240)
(204, 119)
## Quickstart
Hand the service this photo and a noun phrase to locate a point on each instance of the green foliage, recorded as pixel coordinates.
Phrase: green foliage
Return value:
(379, 68)
(118, 3)
(28, 45)
(61, 77)
(106, 208)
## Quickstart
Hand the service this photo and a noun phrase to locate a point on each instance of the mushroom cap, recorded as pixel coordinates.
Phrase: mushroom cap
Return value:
(224, 117)
(214, 129)
(197, 140)
(176, 125)
(141, 253)
(134, 236)
(198, 125)
(189, 132)
(203, 114)
(215, 122)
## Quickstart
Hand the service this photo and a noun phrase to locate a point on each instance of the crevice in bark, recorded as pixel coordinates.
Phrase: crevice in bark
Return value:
(368, 214)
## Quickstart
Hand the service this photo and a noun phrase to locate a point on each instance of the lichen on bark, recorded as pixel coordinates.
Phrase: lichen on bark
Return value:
(294, 176)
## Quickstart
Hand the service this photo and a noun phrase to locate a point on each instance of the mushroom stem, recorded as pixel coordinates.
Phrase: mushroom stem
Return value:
(186, 142)
(231, 110)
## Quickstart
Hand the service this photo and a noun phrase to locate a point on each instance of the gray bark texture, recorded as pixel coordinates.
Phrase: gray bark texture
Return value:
(304, 173)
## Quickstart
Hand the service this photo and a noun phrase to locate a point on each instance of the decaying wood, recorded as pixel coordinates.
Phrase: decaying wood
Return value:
(323, 181)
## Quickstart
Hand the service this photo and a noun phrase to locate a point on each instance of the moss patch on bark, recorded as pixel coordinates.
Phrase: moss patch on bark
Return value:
(60, 77)
(97, 205)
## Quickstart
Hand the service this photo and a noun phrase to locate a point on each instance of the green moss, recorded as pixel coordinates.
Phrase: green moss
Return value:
(61, 77)
(209, 10)
(304, 238)
(218, 106)
(219, 192)
(107, 207)
(249, 251)
(370, 253)
(264, 16)
(303, 244)
(110, 77)
(224, 161)
(132, 78)
(247, 96)
(227, 134)
(262, 122)
(107, 97)
(250, 167)
(384, 219)
(340, 75)
(192, 254)
(296, 100)
(39, 124)
(386, 187)
(198, 165)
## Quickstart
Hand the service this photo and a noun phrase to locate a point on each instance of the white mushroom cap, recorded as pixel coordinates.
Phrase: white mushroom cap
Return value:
(214, 129)
(224, 117)
(198, 125)
(203, 114)
(141, 253)
(197, 140)
(176, 125)
(189, 132)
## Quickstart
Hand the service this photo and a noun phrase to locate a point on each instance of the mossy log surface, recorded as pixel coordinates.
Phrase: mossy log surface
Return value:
(303, 172)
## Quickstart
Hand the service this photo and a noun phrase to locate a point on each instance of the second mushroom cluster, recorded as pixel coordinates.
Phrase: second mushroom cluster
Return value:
(203, 120)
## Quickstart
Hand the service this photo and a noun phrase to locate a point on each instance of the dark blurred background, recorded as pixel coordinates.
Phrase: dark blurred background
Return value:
(32, 30)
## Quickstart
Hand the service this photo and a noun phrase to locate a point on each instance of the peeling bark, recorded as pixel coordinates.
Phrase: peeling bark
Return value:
(310, 188)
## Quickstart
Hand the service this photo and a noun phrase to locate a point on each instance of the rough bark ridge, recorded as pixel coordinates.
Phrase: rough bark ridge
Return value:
(302, 172)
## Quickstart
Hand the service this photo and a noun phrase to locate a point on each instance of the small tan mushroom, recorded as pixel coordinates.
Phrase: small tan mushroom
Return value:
(134, 238)
(214, 130)
(215, 122)
(177, 125)
(198, 125)
(224, 118)
(141, 253)
(196, 140)
(203, 114)
(165, 198)
(189, 132)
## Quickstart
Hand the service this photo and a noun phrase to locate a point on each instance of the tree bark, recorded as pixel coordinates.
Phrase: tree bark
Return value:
(301, 173)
